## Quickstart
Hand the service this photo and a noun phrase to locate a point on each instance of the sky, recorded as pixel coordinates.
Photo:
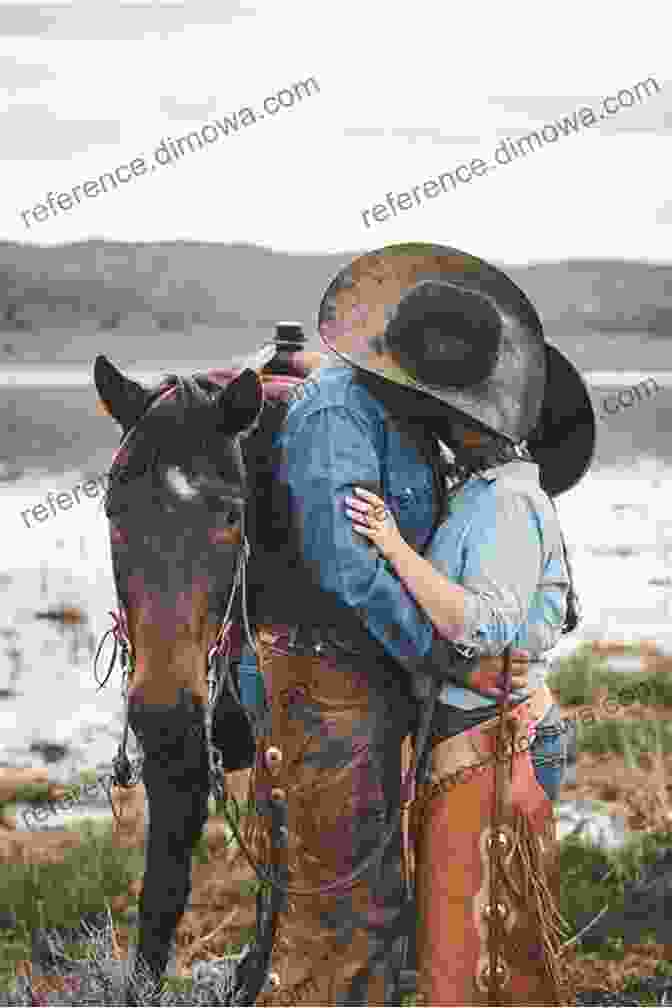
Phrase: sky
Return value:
(406, 92)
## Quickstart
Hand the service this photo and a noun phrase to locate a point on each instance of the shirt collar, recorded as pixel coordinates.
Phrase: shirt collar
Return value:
(516, 469)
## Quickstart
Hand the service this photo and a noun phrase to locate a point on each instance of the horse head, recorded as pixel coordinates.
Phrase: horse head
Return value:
(176, 501)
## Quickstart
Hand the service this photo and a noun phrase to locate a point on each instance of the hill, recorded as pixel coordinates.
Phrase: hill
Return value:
(137, 301)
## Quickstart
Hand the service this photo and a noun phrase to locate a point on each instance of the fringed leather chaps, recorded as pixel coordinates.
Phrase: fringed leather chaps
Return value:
(488, 922)
(333, 745)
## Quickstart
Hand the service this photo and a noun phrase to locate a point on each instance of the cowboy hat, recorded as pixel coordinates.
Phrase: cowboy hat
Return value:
(442, 324)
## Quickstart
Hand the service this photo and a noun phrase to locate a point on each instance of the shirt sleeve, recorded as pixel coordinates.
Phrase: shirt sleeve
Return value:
(333, 451)
(496, 555)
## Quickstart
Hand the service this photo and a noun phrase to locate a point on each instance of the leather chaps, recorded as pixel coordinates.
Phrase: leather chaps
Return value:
(487, 875)
(333, 744)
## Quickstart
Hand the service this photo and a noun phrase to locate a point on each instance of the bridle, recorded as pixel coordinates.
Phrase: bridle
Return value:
(126, 774)
(124, 771)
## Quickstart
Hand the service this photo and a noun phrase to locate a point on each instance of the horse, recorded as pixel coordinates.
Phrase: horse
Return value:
(182, 500)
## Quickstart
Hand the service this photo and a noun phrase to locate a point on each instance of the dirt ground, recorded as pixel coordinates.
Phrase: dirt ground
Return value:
(641, 795)
(222, 913)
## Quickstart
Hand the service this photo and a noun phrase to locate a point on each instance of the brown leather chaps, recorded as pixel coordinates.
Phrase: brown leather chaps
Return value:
(333, 745)
(486, 873)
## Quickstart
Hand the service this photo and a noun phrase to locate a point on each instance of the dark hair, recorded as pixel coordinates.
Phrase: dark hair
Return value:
(574, 609)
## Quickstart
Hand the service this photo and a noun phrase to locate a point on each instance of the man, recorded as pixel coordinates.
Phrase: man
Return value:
(344, 686)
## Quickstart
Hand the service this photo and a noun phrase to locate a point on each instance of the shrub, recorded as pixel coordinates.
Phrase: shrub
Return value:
(575, 679)
(584, 890)
(53, 895)
(627, 738)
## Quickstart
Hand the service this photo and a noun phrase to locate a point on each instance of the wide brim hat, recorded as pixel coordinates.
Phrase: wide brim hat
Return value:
(447, 326)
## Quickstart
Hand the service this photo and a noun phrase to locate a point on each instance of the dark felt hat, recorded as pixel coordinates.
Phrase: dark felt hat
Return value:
(443, 324)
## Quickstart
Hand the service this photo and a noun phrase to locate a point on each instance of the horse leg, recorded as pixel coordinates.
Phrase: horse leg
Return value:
(176, 779)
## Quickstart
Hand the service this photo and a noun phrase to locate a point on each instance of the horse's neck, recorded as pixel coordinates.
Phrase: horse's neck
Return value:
(257, 447)
(271, 539)
(261, 458)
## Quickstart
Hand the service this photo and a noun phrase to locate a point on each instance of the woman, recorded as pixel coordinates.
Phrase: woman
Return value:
(495, 574)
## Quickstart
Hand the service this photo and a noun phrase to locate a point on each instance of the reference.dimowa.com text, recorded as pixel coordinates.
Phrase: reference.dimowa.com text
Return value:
(168, 152)
(508, 150)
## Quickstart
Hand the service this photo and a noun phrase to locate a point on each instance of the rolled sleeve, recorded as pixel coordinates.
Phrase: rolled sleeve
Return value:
(334, 450)
(497, 558)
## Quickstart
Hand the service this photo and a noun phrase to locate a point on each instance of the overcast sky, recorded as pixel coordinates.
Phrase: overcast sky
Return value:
(407, 91)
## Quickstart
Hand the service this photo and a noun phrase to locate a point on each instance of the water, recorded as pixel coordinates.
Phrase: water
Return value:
(54, 376)
(73, 376)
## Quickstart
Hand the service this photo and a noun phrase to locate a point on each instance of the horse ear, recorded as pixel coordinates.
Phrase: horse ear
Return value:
(121, 397)
(240, 403)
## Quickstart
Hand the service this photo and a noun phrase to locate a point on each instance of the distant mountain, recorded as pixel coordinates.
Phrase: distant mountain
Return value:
(198, 301)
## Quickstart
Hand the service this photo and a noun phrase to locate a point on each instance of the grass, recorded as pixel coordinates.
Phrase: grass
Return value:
(51, 895)
(57, 895)
(577, 678)
(585, 891)
(630, 738)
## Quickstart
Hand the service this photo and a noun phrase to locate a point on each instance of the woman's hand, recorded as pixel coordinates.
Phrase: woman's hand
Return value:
(372, 519)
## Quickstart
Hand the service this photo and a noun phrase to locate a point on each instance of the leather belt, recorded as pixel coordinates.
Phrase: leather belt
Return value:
(314, 640)
(462, 751)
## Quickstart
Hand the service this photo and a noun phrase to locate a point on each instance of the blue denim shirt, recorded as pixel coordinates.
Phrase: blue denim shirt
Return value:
(336, 435)
(501, 540)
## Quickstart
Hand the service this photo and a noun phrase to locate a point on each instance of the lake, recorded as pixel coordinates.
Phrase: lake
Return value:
(49, 420)
(28, 376)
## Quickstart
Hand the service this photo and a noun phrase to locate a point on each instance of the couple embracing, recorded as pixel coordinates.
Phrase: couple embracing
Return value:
(420, 466)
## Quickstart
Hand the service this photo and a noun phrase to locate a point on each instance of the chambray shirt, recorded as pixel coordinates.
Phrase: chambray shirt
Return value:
(500, 539)
(336, 435)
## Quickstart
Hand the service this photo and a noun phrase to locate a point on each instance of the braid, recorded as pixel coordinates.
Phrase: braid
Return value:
(574, 608)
